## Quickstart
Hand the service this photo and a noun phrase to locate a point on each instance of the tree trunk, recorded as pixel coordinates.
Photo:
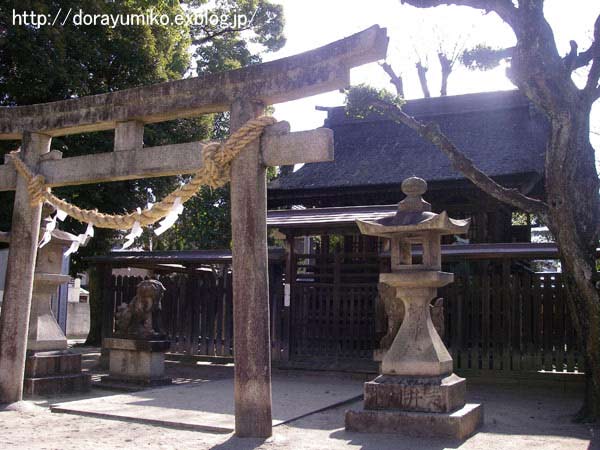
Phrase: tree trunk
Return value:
(572, 189)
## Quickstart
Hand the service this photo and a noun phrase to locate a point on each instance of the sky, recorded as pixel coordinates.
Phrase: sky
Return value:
(417, 33)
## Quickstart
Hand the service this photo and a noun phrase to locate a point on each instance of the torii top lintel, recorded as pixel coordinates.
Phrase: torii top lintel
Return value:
(320, 70)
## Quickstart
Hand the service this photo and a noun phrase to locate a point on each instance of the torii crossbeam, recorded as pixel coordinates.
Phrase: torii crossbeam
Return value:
(245, 92)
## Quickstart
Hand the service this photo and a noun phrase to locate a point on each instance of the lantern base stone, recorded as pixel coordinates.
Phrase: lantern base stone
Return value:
(54, 372)
(422, 394)
(459, 424)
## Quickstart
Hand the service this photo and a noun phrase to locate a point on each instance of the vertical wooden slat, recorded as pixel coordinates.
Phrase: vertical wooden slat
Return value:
(198, 293)
(548, 320)
(570, 334)
(485, 317)
(219, 305)
(537, 322)
(559, 324)
(290, 279)
(107, 297)
(229, 314)
(497, 323)
(508, 302)
(353, 311)
(202, 311)
(516, 302)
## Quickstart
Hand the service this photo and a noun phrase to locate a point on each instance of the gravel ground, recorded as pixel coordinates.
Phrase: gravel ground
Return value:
(516, 417)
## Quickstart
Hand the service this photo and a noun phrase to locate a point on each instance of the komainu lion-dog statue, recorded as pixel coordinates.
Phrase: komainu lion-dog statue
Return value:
(140, 318)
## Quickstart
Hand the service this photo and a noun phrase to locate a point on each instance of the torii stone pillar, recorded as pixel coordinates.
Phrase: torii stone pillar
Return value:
(251, 339)
(16, 305)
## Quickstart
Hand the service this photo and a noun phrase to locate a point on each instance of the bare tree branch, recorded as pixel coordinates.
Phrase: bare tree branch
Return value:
(446, 64)
(210, 36)
(395, 79)
(422, 72)
(504, 8)
(594, 75)
(584, 58)
(432, 133)
(570, 59)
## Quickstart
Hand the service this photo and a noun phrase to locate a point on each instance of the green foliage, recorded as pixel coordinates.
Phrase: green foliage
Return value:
(58, 62)
(52, 63)
(519, 218)
(482, 57)
(204, 224)
(361, 100)
(222, 48)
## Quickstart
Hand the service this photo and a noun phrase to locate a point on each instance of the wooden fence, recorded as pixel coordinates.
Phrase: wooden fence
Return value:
(510, 322)
(499, 317)
(197, 309)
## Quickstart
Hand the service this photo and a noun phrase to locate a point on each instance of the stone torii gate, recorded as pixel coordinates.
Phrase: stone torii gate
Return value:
(244, 92)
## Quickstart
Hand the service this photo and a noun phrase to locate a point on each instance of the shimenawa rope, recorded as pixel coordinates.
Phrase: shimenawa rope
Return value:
(215, 172)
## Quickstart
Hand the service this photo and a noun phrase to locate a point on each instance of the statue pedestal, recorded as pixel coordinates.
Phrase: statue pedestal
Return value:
(136, 362)
(416, 394)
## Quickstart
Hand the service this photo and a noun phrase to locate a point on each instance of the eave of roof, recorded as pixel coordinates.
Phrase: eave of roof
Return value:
(192, 257)
(318, 217)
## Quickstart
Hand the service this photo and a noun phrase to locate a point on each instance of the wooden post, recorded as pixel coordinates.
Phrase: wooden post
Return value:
(290, 277)
(14, 320)
(252, 347)
(106, 296)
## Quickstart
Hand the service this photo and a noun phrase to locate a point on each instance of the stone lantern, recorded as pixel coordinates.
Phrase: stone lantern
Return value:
(49, 367)
(416, 392)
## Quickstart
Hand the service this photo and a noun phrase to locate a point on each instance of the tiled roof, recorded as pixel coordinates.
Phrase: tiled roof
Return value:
(500, 131)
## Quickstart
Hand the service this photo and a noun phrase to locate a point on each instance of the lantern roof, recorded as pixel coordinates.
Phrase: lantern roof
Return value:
(414, 215)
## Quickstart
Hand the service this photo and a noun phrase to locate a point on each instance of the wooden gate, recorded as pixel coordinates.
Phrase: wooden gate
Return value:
(332, 305)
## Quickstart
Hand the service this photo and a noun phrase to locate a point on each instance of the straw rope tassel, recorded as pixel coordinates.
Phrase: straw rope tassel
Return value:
(215, 172)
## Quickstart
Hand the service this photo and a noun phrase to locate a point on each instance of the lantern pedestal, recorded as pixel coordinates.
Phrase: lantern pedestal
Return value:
(416, 394)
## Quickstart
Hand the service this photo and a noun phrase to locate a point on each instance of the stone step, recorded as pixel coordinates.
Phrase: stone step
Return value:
(60, 384)
(44, 364)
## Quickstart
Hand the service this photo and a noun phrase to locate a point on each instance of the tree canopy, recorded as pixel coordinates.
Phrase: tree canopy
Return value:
(50, 63)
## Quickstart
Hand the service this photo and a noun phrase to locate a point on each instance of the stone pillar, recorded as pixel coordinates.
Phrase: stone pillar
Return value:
(252, 355)
(14, 319)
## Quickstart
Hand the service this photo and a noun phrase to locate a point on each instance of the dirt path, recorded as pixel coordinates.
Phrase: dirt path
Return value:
(515, 418)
